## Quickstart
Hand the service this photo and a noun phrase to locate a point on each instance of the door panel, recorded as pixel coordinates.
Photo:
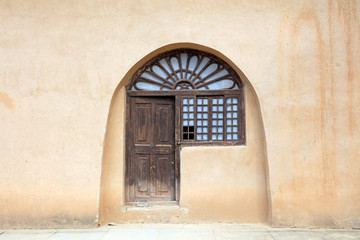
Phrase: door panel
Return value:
(151, 175)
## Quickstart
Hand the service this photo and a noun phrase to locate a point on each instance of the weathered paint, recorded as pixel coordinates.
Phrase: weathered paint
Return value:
(64, 62)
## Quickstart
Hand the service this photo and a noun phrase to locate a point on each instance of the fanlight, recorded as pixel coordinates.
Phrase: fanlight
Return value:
(185, 69)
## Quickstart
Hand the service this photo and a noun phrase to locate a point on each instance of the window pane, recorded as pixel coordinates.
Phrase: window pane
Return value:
(228, 100)
(235, 122)
(221, 122)
(228, 115)
(235, 100)
(228, 122)
(205, 109)
(235, 136)
(215, 108)
(191, 109)
(228, 108)
(185, 109)
(215, 100)
(199, 115)
(221, 108)
(235, 115)
(220, 129)
(235, 129)
(221, 115)
(205, 137)
(205, 115)
(205, 129)
(185, 123)
(205, 122)
(235, 107)
(199, 123)
(228, 129)
(191, 123)
(191, 101)
(198, 137)
(221, 101)
(191, 116)
(199, 130)
(185, 101)
(199, 101)
(185, 116)
(206, 101)
(214, 130)
(213, 137)
(199, 108)
(228, 136)
(220, 137)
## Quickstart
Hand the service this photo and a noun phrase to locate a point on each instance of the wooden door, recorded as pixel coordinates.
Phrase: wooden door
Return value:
(151, 163)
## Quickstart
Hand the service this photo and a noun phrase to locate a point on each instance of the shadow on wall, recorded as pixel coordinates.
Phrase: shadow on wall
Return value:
(240, 192)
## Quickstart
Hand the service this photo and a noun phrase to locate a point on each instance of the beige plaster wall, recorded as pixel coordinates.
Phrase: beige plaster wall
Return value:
(61, 61)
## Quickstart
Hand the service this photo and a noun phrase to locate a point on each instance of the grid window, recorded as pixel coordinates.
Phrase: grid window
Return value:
(211, 119)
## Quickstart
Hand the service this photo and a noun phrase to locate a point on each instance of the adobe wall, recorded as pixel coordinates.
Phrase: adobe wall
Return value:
(62, 61)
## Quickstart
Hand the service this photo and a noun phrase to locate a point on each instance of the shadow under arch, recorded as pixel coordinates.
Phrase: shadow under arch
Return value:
(112, 184)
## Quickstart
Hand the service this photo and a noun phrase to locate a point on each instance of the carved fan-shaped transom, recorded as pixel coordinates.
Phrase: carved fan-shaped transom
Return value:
(185, 69)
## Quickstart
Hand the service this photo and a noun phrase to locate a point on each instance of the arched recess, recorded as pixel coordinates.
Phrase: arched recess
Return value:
(237, 193)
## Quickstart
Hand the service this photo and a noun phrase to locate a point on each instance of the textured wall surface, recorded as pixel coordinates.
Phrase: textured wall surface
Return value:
(61, 61)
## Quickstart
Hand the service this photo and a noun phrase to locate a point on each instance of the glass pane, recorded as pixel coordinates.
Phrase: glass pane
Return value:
(214, 130)
(205, 115)
(185, 123)
(220, 137)
(199, 123)
(199, 115)
(235, 115)
(205, 137)
(191, 101)
(221, 116)
(228, 122)
(199, 101)
(191, 109)
(235, 122)
(235, 136)
(205, 129)
(199, 129)
(235, 129)
(186, 109)
(228, 107)
(228, 115)
(205, 122)
(228, 100)
(186, 116)
(199, 108)
(191, 122)
(191, 116)
(205, 108)
(214, 115)
(235, 107)
(185, 101)
(221, 122)
(215, 108)
(198, 137)
(215, 101)
(221, 101)
(228, 136)
(213, 137)
(206, 101)
(228, 129)
(235, 100)
(220, 129)
(221, 108)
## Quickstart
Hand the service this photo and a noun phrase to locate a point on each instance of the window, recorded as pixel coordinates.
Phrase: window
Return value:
(208, 93)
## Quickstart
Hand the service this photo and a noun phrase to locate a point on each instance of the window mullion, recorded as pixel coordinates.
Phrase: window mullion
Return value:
(210, 118)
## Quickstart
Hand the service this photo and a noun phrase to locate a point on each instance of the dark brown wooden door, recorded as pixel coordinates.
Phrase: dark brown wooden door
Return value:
(151, 170)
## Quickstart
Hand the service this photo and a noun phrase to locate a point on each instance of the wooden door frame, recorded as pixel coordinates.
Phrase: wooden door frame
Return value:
(128, 140)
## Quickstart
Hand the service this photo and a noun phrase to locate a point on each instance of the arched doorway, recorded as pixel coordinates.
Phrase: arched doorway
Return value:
(220, 179)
